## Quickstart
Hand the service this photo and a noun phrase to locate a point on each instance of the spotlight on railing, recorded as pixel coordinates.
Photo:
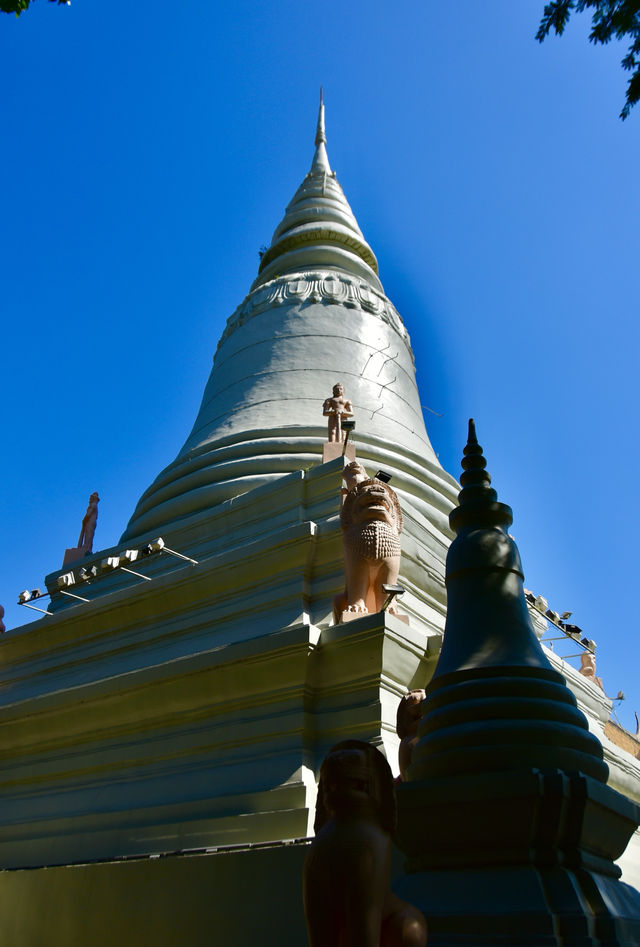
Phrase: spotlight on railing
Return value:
(392, 591)
(128, 556)
(158, 545)
(383, 476)
(64, 581)
(110, 563)
(347, 426)
(25, 597)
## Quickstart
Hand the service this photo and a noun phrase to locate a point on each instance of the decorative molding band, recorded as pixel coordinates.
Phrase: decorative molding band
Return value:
(317, 286)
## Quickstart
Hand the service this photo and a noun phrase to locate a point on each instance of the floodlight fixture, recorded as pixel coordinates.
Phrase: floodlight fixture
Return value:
(158, 545)
(86, 575)
(25, 597)
(383, 475)
(566, 615)
(129, 555)
(65, 580)
(620, 696)
(347, 426)
(573, 631)
(111, 562)
(392, 591)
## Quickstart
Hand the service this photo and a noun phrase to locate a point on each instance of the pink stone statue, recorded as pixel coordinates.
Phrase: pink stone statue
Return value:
(337, 409)
(371, 521)
(407, 720)
(348, 901)
(89, 523)
(588, 668)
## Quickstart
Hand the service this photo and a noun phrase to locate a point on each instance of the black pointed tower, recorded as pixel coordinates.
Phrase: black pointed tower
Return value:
(510, 829)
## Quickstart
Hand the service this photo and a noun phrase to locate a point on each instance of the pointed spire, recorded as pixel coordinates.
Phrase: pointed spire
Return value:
(477, 501)
(493, 686)
(319, 228)
(320, 163)
(320, 132)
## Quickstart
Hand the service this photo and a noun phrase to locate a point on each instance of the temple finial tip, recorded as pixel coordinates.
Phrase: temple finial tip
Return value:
(321, 138)
(472, 439)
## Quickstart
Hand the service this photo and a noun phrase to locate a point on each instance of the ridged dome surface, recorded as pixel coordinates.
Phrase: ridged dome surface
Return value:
(315, 315)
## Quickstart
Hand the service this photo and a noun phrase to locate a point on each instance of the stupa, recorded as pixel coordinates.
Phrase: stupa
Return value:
(202, 650)
(162, 729)
(316, 314)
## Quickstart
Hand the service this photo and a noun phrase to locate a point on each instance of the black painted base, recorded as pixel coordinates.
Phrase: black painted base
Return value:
(518, 858)
(524, 906)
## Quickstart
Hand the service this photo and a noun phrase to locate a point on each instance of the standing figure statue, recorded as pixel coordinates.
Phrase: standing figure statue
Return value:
(588, 668)
(337, 409)
(348, 900)
(89, 523)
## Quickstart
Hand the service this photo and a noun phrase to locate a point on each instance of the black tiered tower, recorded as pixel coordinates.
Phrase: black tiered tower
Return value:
(509, 827)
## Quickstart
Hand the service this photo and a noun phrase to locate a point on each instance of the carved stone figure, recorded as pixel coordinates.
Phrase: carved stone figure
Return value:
(371, 521)
(337, 409)
(407, 720)
(346, 878)
(89, 523)
(588, 668)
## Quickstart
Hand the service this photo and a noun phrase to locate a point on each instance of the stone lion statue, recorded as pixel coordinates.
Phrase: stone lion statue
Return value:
(371, 521)
(348, 900)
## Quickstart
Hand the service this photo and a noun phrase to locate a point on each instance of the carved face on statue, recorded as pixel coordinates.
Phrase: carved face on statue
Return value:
(355, 776)
(371, 500)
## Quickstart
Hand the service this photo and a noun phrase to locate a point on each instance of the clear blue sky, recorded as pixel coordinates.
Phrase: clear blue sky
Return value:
(149, 150)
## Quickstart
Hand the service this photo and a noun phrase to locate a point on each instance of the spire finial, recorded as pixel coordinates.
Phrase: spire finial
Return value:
(320, 133)
(477, 501)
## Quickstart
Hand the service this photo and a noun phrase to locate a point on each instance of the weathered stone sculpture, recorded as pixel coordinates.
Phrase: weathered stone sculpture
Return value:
(87, 532)
(337, 409)
(588, 668)
(371, 521)
(347, 898)
(89, 523)
(407, 720)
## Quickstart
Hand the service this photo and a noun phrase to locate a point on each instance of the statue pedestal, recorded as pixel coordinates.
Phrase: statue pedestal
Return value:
(75, 554)
(331, 450)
